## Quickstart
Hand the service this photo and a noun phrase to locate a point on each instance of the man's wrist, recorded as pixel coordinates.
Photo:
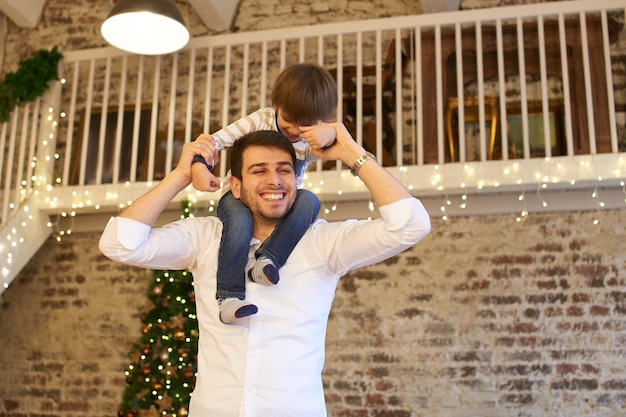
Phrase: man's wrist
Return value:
(360, 161)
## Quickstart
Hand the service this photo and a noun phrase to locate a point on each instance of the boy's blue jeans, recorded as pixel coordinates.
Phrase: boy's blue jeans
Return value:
(237, 232)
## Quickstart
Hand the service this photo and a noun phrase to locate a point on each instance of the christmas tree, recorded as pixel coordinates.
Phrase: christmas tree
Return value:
(162, 373)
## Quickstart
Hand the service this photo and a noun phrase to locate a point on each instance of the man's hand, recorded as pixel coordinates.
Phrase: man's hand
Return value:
(202, 178)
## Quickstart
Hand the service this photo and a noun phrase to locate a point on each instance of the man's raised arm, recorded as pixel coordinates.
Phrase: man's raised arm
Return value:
(148, 207)
(384, 187)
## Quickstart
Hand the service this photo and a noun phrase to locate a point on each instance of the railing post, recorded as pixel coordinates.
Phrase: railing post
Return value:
(46, 138)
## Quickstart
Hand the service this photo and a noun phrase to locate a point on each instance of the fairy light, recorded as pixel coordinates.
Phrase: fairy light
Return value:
(438, 179)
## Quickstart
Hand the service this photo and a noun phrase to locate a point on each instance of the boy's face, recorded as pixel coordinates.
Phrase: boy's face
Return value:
(291, 128)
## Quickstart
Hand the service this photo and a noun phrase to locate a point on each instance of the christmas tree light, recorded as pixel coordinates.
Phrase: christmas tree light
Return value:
(163, 369)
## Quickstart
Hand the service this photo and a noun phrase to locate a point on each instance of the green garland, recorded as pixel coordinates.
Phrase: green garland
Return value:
(29, 81)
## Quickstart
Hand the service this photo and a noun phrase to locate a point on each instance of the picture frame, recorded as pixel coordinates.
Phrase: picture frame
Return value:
(536, 131)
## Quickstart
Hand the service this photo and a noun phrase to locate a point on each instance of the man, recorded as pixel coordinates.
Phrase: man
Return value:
(269, 364)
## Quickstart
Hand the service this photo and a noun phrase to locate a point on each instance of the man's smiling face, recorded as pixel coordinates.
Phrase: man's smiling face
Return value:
(268, 186)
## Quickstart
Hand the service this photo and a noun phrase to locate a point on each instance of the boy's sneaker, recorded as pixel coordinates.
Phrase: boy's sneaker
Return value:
(264, 272)
(232, 309)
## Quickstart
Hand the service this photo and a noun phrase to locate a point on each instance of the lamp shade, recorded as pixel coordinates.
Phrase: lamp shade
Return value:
(146, 27)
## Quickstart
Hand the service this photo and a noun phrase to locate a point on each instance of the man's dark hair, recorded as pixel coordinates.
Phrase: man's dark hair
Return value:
(306, 93)
(265, 138)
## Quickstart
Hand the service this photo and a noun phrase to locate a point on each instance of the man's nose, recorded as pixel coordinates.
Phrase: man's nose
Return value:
(274, 178)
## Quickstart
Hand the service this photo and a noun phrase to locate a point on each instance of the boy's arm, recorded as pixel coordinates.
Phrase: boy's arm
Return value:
(202, 177)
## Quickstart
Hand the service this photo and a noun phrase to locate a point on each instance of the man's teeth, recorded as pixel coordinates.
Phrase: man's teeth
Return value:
(273, 196)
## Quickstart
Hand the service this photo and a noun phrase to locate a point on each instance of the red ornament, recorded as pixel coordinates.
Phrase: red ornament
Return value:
(188, 373)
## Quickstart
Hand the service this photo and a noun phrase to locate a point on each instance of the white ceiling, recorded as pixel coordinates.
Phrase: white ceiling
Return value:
(24, 13)
(216, 14)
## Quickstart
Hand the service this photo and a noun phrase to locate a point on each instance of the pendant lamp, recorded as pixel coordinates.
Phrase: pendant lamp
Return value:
(146, 27)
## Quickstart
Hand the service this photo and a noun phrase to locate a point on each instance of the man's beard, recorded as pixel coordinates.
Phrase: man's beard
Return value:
(250, 200)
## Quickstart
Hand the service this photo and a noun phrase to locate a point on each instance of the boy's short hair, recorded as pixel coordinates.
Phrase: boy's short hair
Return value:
(306, 93)
(265, 138)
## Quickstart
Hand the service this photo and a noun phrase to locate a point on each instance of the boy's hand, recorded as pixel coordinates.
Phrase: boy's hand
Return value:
(344, 148)
(320, 136)
(203, 179)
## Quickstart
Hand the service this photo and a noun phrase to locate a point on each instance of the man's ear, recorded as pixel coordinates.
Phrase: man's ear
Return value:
(235, 186)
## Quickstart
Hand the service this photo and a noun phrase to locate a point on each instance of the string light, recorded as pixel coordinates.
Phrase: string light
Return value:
(449, 180)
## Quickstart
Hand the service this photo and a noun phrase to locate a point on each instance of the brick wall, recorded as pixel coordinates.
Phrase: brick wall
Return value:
(486, 317)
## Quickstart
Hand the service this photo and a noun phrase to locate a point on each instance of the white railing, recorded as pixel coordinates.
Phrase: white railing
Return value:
(532, 87)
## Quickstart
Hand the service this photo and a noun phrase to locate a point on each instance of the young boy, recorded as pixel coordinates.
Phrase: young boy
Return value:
(303, 95)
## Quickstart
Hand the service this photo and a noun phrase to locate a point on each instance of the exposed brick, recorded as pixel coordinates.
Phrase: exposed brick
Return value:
(421, 297)
(467, 371)
(586, 327)
(566, 368)
(522, 328)
(379, 372)
(410, 313)
(375, 400)
(384, 385)
(574, 311)
(501, 300)
(383, 357)
(547, 285)
(531, 313)
(506, 273)
(353, 400)
(600, 310)
(553, 311)
(614, 385)
(470, 356)
(505, 341)
(352, 413)
(580, 297)
(392, 413)
(571, 354)
(547, 247)
(512, 260)
(527, 341)
(546, 298)
(10, 405)
(589, 368)
(520, 385)
(486, 314)
(575, 384)
(525, 356)
(519, 399)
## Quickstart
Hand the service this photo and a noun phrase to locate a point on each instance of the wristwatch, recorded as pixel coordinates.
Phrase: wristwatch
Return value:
(360, 161)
